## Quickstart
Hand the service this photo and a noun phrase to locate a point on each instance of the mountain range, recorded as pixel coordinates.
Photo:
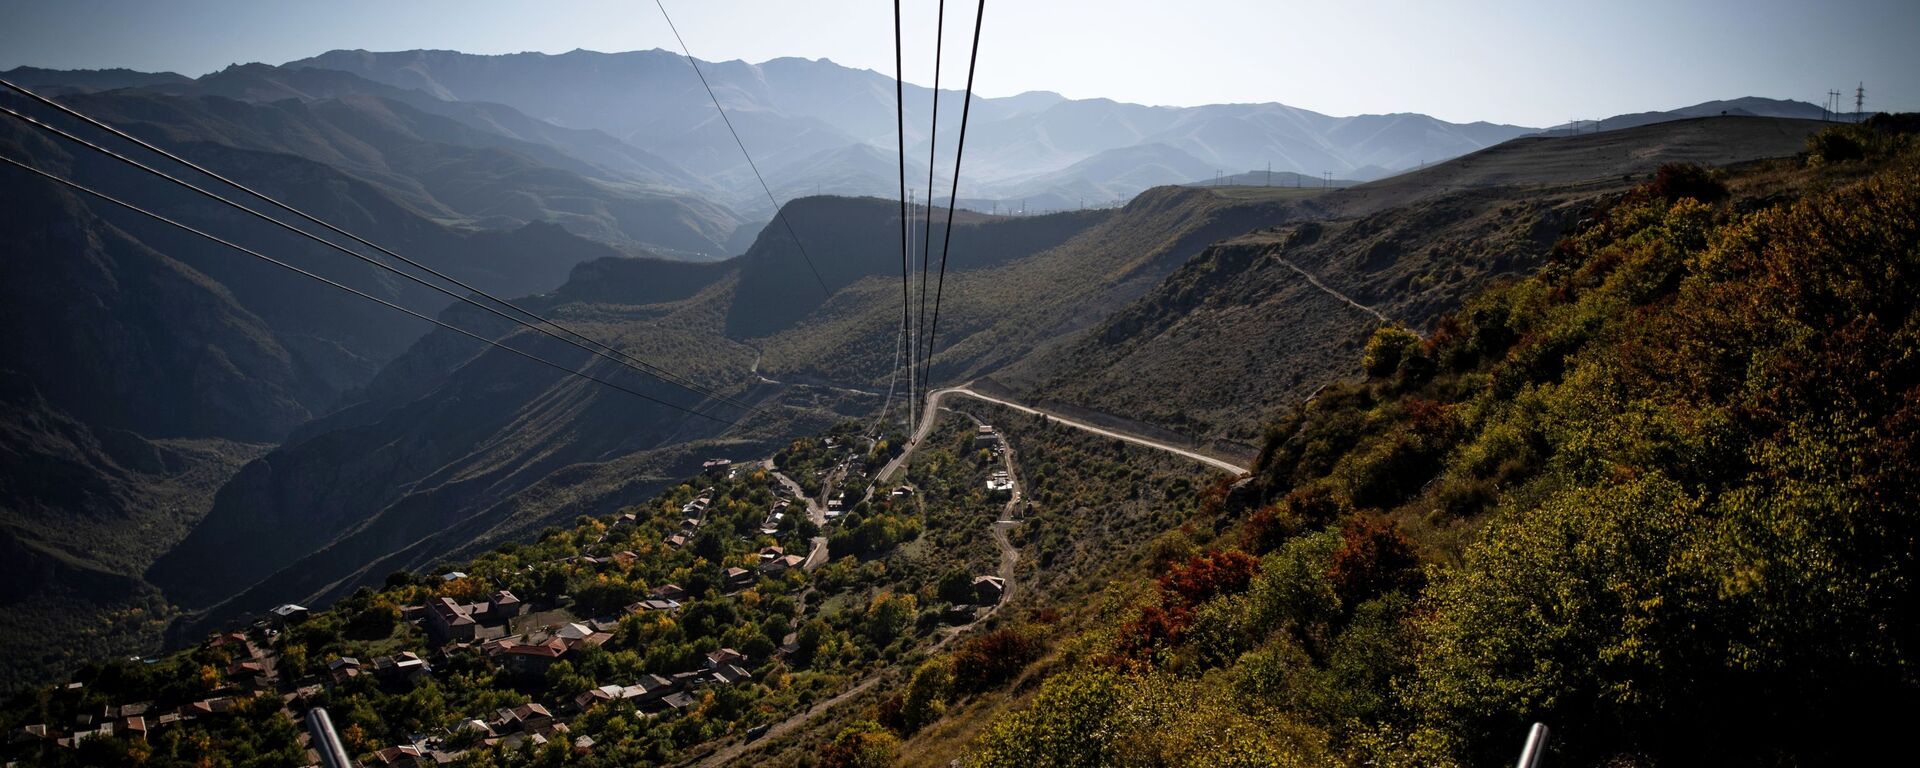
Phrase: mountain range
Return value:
(192, 436)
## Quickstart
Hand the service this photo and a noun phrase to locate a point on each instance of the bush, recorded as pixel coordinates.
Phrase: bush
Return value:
(1389, 345)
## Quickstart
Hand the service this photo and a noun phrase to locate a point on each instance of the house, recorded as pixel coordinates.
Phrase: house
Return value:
(452, 575)
(29, 733)
(984, 436)
(668, 592)
(289, 615)
(625, 557)
(532, 718)
(999, 482)
(596, 696)
(737, 578)
(723, 657)
(680, 700)
(771, 553)
(218, 705)
(406, 667)
(342, 669)
(448, 620)
(251, 674)
(903, 490)
(676, 541)
(532, 659)
(789, 645)
(988, 589)
(475, 726)
(715, 465)
(235, 643)
(730, 674)
(134, 727)
(504, 605)
(781, 565)
(402, 756)
(654, 605)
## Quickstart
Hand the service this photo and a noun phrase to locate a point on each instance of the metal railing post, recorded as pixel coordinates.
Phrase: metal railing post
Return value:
(1536, 747)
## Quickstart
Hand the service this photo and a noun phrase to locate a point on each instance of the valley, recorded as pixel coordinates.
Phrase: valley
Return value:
(1212, 434)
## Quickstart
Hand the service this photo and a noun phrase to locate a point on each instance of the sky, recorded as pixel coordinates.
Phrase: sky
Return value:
(1534, 63)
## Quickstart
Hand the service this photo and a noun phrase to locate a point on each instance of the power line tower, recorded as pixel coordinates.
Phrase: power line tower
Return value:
(1269, 181)
(1859, 101)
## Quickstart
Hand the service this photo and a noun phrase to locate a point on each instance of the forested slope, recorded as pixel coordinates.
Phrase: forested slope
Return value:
(1652, 494)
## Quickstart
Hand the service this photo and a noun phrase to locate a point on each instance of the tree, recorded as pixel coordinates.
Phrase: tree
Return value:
(1389, 345)
(861, 745)
(1374, 559)
(927, 693)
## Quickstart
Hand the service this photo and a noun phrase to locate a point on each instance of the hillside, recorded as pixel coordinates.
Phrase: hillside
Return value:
(158, 364)
(440, 167)
(1261, 320)
(450, 449)
(1648, 495)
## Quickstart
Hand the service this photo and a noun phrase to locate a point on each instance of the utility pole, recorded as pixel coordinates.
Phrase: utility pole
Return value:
(1269, 173)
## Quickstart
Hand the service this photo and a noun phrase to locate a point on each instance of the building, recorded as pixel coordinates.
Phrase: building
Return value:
(999, 482)
(737, 578)
(342, 669)
(289, 615)
(984, 436)
(988, 589)
(532, 659)
(668, 592)
(723, 657)
(448, 620)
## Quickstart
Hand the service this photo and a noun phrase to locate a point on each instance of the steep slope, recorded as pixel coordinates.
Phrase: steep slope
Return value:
(83, 511)
(1260, 321)
(450, 448)
(1652, 495)
(441, 168)
(1000, 306)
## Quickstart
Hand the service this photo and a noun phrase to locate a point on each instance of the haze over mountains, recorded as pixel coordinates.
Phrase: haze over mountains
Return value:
(188, 429)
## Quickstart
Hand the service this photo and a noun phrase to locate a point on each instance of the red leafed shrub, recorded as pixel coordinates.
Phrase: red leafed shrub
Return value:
(1206, 575)
(1267, 528)
(1374, 559)
(1154, 628)
(987, 660)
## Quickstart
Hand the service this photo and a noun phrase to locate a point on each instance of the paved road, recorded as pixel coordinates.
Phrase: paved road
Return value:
(817, 556)
(933, 405)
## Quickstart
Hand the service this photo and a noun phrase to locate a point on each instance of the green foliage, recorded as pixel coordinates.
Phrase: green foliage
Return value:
(927, 693)
(1665, 489)
(1389, 345)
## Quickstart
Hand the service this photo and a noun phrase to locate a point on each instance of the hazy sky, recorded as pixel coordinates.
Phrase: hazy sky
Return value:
(1533, 63)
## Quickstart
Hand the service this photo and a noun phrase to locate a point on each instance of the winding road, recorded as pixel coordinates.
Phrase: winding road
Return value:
(933, 405)
(1005, 521)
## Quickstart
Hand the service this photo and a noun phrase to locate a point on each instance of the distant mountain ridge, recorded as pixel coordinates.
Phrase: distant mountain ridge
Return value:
(1747, 106)
(790, 108)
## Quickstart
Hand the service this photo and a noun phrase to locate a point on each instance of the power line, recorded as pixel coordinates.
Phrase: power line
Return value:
(933, 150)
(643, 365)
(959, 151)
(361, 256)
(342, 286)
(906, 302)
(777, 212)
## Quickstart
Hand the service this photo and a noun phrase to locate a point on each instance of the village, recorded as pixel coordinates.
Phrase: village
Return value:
(524, 639)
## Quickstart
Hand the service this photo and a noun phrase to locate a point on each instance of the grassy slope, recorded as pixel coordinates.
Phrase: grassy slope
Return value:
(1238, 331)
(1666, 491)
